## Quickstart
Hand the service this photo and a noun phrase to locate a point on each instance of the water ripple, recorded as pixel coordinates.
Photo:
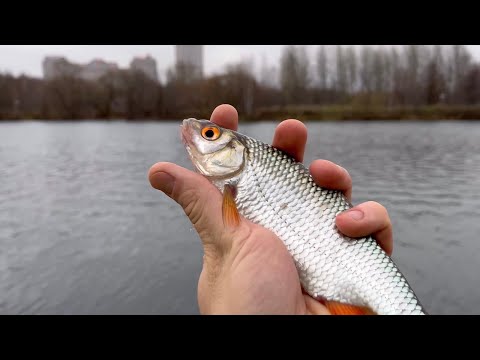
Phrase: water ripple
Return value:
(82, 231)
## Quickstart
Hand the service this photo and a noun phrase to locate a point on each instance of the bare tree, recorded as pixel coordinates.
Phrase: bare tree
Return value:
(267, 90)
(294, 71)
(107, 94)
(184, 72)
(241, 85)
(461, 67)
(470, 85)
(268, 74)
(61, 97)
(351, 64)
(434, 77)
(7, 96)
(378, 71)
(366, 69)
(392, 74)
(142, 95)
(389, 68)
(412, 72)
(322, 68)
(341, 71)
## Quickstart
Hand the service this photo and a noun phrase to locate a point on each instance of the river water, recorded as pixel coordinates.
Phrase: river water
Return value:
(82, 231)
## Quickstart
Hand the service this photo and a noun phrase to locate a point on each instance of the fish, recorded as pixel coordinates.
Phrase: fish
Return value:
(350, 276)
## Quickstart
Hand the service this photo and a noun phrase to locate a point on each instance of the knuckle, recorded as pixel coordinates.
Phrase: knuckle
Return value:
(191, 204)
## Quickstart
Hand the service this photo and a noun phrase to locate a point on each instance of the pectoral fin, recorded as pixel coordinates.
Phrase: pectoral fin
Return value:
(231, 216)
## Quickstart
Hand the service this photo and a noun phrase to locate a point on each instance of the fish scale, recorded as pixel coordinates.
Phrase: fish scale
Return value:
(279, 194)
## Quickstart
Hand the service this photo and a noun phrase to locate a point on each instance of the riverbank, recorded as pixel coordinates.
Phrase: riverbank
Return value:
(339, 113)
(304, 113)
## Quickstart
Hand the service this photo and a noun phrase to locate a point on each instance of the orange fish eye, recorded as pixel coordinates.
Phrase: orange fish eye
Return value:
(211, 133)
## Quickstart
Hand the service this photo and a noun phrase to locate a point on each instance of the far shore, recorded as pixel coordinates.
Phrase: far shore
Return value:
(302, 113)
(351, 113)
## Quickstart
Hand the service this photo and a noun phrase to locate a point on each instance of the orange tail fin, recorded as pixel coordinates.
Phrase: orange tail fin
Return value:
(338, 308)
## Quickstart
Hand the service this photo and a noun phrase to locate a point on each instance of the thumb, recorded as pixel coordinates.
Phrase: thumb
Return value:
(200, 199)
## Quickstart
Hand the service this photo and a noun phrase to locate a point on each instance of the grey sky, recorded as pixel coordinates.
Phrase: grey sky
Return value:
(27, 59)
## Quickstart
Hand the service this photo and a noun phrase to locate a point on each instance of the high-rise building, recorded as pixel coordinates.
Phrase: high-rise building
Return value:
(147, 65)
(190, 57)
(55, 66)
(97, 68)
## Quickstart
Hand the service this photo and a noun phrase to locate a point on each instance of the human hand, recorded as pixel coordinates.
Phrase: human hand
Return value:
(249, 270)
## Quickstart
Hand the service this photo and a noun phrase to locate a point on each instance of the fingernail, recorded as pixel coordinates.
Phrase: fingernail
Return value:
(163, 182)
(356, 214)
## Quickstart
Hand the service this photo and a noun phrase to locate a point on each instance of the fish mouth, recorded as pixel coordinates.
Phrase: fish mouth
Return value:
(187, 137)
(185, 133)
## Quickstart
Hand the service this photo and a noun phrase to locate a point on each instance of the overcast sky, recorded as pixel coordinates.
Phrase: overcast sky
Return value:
(27, 59)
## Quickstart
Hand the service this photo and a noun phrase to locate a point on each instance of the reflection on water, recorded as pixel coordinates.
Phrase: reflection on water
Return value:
(82, 231)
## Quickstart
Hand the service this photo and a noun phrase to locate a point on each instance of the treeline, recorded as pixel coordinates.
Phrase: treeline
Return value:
(119, 94)
(340, 81)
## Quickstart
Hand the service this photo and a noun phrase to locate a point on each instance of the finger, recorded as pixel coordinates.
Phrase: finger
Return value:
(201, 201)
(369, 218)
(331, 176)
(225, 116)
(314, 307)
(291, 137)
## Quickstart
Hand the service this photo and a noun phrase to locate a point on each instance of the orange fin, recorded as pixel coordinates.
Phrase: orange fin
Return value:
(231, 216)
(338, 308)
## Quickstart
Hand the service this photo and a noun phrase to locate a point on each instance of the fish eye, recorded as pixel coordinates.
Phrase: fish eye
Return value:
(211, 133)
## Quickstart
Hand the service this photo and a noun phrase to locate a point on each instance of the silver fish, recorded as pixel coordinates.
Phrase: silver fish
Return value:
(271, 189)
